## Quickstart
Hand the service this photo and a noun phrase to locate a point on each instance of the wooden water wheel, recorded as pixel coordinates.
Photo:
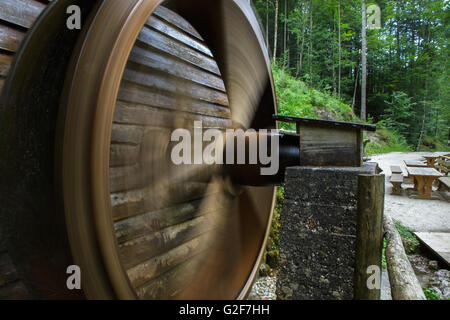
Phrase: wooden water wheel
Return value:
(86, 123)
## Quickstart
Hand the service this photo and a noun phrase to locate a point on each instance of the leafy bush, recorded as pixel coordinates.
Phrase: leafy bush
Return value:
(399, 115)
(433, 144)
(389, 141)
(430, 294)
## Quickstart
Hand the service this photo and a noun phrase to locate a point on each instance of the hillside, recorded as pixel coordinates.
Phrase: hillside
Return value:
(296, 98)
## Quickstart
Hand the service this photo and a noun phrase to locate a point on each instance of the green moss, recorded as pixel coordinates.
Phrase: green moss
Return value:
(410, 241)
(383, 255)
(273, 243)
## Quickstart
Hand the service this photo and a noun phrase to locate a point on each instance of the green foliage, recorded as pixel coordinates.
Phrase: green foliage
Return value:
(434, 144)
(408, 62)
(383, 255)
(389, 141)
(431, 294)
(297, 99)
(398, 116)
(410, 241)
(273, 243)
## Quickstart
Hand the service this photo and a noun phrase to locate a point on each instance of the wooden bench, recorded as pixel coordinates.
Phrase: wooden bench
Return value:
(444, 184)
(396, 170)
(443, 165)
(396, 180)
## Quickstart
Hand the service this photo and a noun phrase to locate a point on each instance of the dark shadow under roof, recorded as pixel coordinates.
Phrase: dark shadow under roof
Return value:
(324, 123)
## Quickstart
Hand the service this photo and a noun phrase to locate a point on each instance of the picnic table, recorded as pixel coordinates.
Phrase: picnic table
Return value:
(415, 163)
(423, 180)
(431, 158)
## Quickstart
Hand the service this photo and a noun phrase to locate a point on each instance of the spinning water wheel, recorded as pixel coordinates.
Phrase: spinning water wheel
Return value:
(94, 112)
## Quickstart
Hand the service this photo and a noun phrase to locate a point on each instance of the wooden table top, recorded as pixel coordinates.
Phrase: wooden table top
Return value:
(427, 172)
(415, 163)
(431, 156)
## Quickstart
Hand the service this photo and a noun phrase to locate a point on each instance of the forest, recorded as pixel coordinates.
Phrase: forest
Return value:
(390, 66)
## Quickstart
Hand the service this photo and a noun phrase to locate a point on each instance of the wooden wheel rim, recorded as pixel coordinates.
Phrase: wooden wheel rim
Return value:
(92, 89)
(88, 208)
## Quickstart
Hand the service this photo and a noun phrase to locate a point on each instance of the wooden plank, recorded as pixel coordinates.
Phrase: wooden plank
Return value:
(135, 114)
(444, 183)
(175, 19)
(152, 268)
(443, 162)
(396, 178)
(396, 169)
(5, 63)
(169, 284)
(324, 123)
(329, 147)
(149, 222)
(415, 163)
(173, 86)
(125, 178)
(156, 197)
(137, 95)
(438, 242)
(122, 133)
(123, 155)
(170, 65)
(10, 38)
(141, 249)
(171, 31)
(20, 12)
(428, 172)
(161, 42)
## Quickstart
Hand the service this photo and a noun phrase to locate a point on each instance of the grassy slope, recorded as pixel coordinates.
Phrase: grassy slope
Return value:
(295, 98)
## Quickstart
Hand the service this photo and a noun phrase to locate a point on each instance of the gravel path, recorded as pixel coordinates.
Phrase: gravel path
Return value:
(264, 289)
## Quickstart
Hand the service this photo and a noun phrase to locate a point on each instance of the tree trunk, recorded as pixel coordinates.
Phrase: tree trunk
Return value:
(310, 49)
(339, 48)
(285, 26)
(334, 57)
(275, 32)
(356, 87)
(404, 283)
(300, 60)
(267, 24)
(363, 63)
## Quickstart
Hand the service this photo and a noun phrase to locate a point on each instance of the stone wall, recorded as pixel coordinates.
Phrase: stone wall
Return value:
(318, 231)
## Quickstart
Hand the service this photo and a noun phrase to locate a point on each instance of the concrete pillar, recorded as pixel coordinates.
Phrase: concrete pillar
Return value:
(318, 232)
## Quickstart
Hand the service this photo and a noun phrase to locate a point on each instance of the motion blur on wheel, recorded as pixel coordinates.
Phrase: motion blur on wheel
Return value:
(91, 94)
